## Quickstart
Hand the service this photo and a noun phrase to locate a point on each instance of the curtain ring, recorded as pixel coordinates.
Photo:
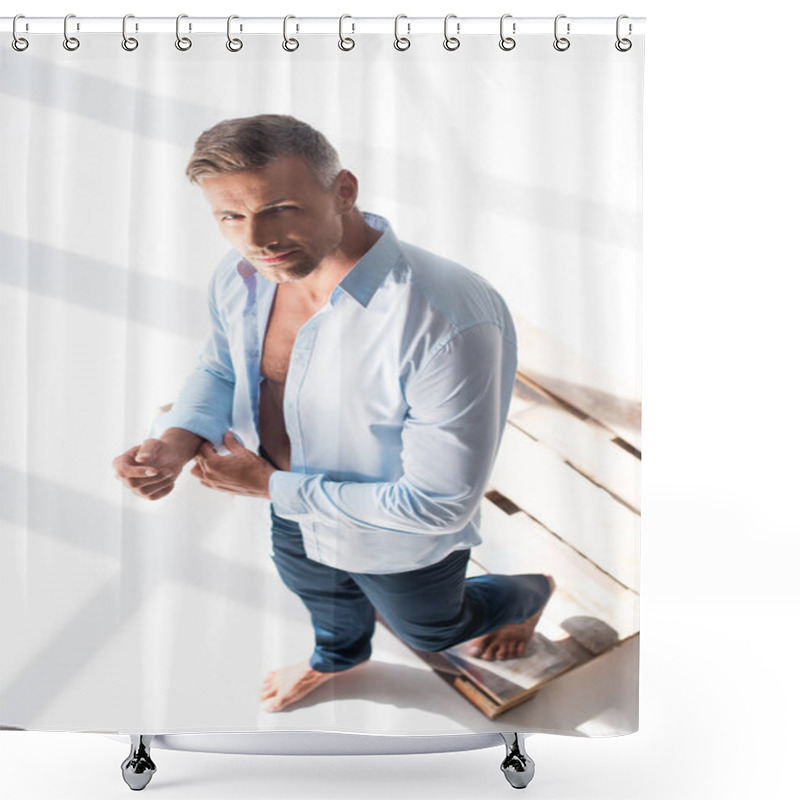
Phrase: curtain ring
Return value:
(506, 42)
(561, 43)
(401, 42)
(18, 42)
(346, 43)
(181, 42)
(234, 45)
(290, 45)
(623, 45)
(451, 42)
(70, 42)
(128, 42)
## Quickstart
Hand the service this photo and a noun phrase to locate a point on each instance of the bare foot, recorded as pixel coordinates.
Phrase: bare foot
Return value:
(287, 685)
(509, 641)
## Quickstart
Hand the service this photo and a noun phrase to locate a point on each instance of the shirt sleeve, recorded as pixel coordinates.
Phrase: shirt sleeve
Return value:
(458, 403)
(205, 402)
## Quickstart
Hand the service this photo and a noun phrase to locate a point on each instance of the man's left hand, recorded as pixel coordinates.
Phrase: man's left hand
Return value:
(242, 472)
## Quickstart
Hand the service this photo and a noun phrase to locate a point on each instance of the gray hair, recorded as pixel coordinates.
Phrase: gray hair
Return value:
(246, 143)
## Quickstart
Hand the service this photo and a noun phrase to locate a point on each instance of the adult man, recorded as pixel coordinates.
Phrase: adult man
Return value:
(374, 378)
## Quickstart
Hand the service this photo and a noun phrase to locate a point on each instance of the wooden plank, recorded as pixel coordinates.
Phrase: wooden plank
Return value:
(584, 515)
(515, 543)
(562, 372)
(590, 448)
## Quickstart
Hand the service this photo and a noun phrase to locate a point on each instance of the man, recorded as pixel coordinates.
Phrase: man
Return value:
(374, 378)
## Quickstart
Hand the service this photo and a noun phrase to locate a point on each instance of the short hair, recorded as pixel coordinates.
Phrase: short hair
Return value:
(234, 145)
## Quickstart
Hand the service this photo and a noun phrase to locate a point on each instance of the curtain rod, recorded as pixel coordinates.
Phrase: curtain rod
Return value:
(327, 25)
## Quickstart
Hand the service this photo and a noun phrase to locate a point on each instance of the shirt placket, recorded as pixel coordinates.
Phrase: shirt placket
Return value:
(299, 361)
(251, 345)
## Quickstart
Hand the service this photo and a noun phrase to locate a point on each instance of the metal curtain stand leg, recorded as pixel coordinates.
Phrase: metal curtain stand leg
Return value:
(138, 768)
(517, 766)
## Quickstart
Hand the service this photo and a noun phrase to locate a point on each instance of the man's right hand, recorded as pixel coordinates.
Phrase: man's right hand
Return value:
(150, 469)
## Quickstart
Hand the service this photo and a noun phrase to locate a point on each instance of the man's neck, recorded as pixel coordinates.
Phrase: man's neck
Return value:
(316, 288)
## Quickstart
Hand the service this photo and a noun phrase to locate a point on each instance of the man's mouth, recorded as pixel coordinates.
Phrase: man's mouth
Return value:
(276, 259)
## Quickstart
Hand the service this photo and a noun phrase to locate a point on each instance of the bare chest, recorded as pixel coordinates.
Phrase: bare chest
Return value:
(285, 320)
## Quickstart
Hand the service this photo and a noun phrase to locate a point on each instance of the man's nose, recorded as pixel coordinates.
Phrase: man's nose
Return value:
(261, 233)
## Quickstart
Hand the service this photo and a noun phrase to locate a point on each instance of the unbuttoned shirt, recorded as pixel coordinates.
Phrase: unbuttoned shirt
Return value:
(395, 402)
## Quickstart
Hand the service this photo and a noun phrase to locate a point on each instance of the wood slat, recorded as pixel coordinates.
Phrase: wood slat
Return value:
(590, 448)
(565, 374)
(584, 515)
(514, 543)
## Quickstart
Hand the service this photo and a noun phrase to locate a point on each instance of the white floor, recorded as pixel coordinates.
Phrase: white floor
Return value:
(706, 731)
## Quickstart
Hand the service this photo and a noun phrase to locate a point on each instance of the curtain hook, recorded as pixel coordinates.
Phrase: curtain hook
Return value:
(70, 42)
(346, 43)
(623, 45)
(292, 44)
(506, 42)
(561, 43)
(182, 42)
(401, 42)
(451, 42)
(234, 45)
(128, 42)
(18, 42)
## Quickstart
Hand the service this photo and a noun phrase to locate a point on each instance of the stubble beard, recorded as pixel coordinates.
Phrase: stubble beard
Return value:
(303, 267)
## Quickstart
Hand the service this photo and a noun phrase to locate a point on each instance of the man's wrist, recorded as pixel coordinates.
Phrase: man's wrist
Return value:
(186, 442)
(269, 471)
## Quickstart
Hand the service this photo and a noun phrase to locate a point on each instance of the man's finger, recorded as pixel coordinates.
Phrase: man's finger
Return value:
(129, 471)
(232, 442)
(207, 450)
(159, 495)
(148, 491)
(137, 483)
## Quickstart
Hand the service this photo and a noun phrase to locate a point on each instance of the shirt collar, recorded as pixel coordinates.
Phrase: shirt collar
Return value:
(369, 272)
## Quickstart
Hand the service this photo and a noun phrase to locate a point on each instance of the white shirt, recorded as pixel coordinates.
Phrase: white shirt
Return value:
(395, 402)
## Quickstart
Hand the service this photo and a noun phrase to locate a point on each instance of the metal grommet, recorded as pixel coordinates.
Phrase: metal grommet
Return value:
(234, 45)
(451, 42)
(19, 43)
(290, 45)
(70, 42)
(345, 42)
(623, 45)
(182, 42)
(561, 43)
(506, 42)
(401, 42)
(128, 42)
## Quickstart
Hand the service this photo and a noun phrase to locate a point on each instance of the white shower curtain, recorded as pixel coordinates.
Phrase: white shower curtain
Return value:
(121, 614)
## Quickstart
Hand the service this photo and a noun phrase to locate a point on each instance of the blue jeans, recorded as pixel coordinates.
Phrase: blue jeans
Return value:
(431, 608)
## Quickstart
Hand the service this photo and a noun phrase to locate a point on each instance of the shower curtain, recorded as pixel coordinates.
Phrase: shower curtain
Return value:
(400, 391)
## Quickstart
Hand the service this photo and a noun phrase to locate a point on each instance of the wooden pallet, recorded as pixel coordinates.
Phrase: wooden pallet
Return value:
(564, 499)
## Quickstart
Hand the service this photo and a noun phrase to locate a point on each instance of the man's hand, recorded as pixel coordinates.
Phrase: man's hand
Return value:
(242, 472)
(150, 469)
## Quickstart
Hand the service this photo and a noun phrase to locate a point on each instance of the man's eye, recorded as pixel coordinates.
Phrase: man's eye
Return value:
(231, 216)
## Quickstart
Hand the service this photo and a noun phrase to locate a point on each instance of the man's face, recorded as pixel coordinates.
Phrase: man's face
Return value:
(279, 217)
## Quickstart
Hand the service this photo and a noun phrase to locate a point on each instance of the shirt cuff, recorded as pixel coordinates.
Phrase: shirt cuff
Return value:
(288, 492)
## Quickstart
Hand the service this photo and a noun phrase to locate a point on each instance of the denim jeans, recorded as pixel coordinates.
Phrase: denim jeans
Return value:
(431, 608)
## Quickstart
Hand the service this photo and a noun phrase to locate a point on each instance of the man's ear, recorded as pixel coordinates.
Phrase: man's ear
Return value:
(346, 188)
